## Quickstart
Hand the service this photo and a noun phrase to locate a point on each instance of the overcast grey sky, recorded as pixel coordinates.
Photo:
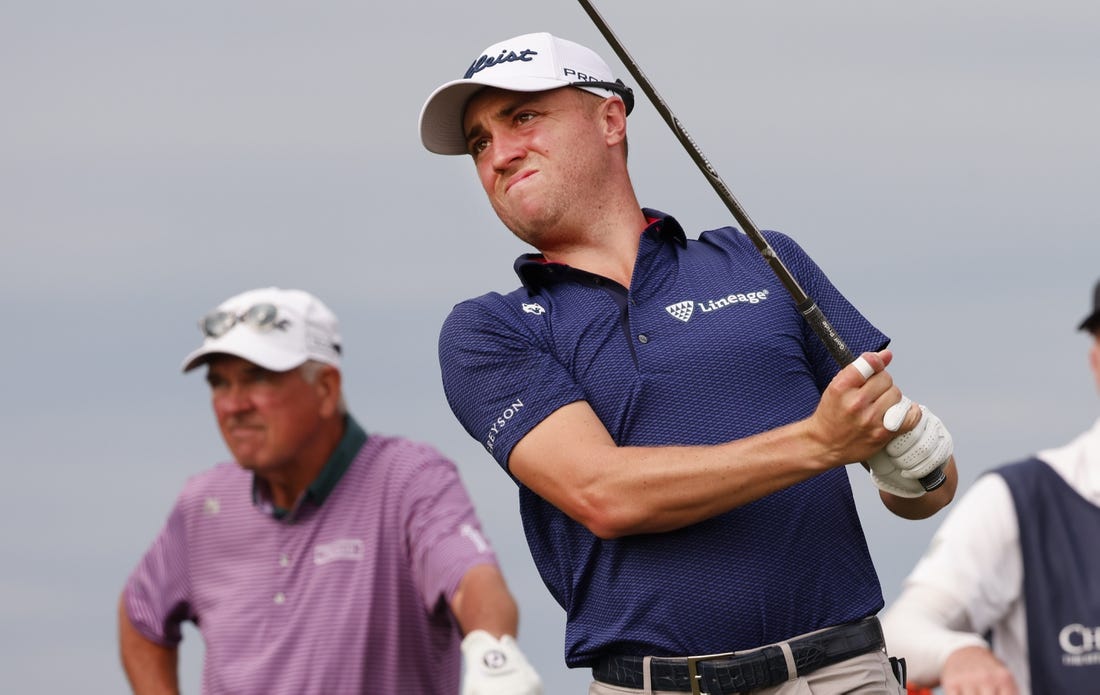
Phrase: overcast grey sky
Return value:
(938, 159)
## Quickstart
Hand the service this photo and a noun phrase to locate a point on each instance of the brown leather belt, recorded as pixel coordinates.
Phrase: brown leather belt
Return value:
(742, 672)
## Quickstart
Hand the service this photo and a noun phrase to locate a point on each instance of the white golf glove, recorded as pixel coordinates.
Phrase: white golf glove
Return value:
(886, 474)
(898, 468)
(496, 667)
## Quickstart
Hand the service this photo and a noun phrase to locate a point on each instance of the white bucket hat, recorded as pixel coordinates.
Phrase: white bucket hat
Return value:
(527, 63)
(274, 328)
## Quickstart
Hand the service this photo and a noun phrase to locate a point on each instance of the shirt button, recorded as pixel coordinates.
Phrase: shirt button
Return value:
(284, 561)
(643, 338)
(280, 598)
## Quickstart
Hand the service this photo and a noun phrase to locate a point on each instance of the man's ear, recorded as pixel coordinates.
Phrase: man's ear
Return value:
(614, 119)
(329, 387)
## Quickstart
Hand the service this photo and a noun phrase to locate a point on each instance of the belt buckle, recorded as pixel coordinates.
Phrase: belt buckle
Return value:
(693, 673)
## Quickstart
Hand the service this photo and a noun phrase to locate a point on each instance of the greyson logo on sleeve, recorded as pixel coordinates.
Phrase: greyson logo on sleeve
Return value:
(501, 422)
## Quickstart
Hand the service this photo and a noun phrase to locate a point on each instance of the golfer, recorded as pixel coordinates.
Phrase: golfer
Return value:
(679, 437)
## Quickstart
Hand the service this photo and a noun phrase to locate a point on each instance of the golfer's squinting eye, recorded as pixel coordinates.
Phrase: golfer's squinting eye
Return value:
(478, 146)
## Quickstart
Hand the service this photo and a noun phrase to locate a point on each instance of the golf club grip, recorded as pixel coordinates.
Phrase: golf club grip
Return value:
(843, 356)
(809, 309)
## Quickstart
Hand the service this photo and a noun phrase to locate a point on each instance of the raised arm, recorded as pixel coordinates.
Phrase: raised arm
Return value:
(571, 460)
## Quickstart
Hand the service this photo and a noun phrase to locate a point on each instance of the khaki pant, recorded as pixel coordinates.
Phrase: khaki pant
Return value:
(867, 674)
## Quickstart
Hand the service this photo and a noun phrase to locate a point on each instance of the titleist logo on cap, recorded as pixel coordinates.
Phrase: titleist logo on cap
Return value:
(487, 61)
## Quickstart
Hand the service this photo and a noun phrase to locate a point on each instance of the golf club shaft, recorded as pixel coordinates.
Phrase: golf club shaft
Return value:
(805, 304)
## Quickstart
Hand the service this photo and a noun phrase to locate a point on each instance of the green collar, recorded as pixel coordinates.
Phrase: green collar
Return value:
(353, 440)
(322, 486)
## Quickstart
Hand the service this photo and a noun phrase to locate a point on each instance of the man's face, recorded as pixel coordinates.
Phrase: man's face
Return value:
(268, 419)
(540, 156)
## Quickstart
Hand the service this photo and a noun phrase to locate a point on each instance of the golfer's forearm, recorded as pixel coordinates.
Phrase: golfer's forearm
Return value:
(615, 491)
(666, 488)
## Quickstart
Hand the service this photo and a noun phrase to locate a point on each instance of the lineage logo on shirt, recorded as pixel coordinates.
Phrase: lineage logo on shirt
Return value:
(683, 311)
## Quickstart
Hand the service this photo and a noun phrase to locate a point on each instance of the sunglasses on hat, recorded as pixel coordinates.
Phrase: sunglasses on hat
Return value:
(261, 317)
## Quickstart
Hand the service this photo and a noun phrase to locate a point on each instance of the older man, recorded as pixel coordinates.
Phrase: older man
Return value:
(678, 434)
(320, 560)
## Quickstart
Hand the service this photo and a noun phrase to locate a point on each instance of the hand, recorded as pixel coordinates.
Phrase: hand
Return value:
(921, 450)
(496, 667)
(850, 418)
(887, 475)
(974, 671)
(898, 468)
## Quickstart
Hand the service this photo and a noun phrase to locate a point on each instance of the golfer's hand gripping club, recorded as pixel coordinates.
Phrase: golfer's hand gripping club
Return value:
(912, 463)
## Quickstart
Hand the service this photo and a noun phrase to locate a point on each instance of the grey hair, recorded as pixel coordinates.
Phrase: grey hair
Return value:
(311, 369)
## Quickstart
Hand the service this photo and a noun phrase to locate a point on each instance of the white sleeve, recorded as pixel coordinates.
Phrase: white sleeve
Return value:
(968, 580)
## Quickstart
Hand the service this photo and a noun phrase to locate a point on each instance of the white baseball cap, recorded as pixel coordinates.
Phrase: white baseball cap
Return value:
(274, 328)
(527, 63)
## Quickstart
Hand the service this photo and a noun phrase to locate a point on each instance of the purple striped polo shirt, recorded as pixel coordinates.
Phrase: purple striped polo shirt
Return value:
(347, 596)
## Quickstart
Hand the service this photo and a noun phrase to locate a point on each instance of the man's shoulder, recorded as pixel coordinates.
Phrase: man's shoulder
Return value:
(223, 481)
(732, 236)
(220, 475)
(396, 455)
(493, 302)
(491, 312)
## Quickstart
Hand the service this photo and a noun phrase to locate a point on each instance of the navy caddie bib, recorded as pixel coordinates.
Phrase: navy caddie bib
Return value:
(1060, 547)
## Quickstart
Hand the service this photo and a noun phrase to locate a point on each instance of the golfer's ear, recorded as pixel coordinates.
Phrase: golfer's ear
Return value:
(613, 111)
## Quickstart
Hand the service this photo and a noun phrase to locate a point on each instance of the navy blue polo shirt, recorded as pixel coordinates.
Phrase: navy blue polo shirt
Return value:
(705, 347)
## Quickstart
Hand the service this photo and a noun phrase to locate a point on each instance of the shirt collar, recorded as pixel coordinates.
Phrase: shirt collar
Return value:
(535, 271)
(318, 491)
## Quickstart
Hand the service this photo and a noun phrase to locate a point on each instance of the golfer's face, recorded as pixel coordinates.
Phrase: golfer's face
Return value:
(536, 155)
(266, 418)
